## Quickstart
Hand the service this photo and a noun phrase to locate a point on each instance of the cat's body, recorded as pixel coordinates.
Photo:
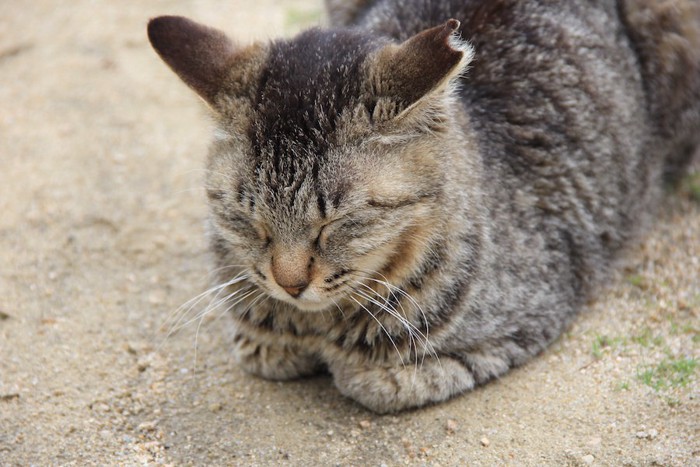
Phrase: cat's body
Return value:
(493, 200)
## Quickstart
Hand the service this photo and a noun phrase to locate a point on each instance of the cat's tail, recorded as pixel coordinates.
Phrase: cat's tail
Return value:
(666, 37)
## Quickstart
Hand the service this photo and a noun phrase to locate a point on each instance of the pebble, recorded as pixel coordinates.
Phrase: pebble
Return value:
(215, 407)
(588, 459)
(485, 442)
(147, 426)
(650, 434)
(451, 426)
(142, 365)
(365, 424)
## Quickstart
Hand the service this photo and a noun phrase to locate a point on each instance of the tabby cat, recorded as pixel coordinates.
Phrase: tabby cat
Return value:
(416, 203)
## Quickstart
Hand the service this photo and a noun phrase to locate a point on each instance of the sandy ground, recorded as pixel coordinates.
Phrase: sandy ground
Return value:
(101, 239)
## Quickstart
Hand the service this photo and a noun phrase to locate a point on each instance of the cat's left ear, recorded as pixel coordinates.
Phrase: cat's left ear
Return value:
(203, 57)
(404, 75)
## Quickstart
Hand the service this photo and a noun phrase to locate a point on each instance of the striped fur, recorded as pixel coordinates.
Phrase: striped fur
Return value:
(418, 205)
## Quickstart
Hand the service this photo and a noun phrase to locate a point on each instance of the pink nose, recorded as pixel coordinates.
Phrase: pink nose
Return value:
(296, 290)
(291, 269)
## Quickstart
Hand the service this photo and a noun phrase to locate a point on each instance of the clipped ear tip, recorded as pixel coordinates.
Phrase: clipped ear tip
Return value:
(452, 24)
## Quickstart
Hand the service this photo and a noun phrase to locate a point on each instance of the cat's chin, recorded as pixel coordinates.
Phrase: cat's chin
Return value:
(309, 306)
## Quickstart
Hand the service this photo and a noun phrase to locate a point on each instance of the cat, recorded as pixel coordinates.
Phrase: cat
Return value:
(424, 194)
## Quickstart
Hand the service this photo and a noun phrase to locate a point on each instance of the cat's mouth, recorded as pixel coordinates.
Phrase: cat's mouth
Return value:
(307, 301)
(307, 305)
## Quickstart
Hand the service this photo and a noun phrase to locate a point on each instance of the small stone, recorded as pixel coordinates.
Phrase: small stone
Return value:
(215, 407)
(142, 365)
(156, 298)
(597, 441)
(330, 433)
(650, 434)
(588, 459)
(152, 446)
(147, 426)
(105, 434)
(101, 407)
(451, 426)
(485, 442)
(365, 424)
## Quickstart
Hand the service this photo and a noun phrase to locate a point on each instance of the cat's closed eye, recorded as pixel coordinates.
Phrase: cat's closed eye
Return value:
(325, 232)
(240, 224)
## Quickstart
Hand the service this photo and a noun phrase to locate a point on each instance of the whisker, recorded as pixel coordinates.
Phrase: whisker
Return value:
(383, 328)
(402, 292)
(247, 291)
(339, 308)
(414, 334)
(428, 348)
(191, 303)
(186, 307)
(208, 310)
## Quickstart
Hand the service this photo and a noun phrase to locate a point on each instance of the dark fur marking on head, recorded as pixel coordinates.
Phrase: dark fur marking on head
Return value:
(299, 99)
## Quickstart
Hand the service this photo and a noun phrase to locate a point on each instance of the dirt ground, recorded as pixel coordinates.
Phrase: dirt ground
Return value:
(102, 239)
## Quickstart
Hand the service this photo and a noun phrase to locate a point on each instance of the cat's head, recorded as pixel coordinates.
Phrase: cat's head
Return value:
(327, 169)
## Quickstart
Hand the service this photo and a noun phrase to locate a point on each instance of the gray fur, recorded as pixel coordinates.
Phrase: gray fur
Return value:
(493, 193)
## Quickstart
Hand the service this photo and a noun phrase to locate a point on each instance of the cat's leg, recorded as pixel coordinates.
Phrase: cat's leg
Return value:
(274, 361)
(390, 389)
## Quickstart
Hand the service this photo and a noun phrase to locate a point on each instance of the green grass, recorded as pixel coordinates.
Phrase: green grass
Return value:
(602, 342)
(690, 186)
(623, 386)
(637, 280)
(647, 339)
(669, 373)
(688, 329)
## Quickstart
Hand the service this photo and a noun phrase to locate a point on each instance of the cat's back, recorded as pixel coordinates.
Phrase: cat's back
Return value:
(653, 45)
(577, 107)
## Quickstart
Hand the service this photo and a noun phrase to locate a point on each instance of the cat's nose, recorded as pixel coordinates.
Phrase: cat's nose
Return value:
(295, 290)
(291, 269)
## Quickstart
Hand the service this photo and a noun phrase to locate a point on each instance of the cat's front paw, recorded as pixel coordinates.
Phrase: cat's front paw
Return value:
(276, 362)
(392, 389)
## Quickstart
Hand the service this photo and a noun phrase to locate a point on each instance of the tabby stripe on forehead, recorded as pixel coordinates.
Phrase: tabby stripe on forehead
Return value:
(320, 200)
(321, 205)
(337, 196)
(297, 183)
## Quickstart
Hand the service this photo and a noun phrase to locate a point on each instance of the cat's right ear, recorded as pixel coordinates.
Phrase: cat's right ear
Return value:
(203, 57)
(407, 74)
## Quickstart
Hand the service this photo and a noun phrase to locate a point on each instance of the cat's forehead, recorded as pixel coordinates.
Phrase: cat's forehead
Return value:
(303, 86)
